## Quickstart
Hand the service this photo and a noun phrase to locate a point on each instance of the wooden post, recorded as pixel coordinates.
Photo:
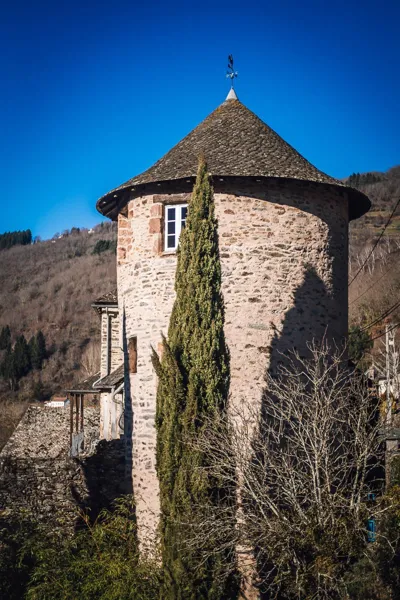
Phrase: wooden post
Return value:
(82, 397)
(77, 413)
(71, 418)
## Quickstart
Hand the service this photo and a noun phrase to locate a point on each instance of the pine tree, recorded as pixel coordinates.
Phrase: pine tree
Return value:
(193, 387)
(5, 337)
(7, 368)
(21, 357)
(33, 352)
(41, 348)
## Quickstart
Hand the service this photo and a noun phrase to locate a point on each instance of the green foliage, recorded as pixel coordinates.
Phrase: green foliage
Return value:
(21, 357)
(103, 246)
(359, 343)
(358, 179)
(100, 561)
(7, 370)
(5, 338)
(395, 470)
(38, 350)
(18, 361)
(376, 576)
(193, 386)
(13, 238)
(18, 532)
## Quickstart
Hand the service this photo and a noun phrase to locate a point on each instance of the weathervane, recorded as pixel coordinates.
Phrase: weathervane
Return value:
(231, 74)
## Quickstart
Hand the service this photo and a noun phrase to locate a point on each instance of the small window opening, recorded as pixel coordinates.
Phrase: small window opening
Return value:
(175, 220)
(132, 351)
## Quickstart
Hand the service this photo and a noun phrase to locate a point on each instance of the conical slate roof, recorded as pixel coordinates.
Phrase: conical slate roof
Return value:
(235, 143)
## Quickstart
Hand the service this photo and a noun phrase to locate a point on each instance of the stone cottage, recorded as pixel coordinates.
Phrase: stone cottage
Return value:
(283, 233)
(108, 383)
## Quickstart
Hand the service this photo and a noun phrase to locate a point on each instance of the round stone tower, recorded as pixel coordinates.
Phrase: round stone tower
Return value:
(283, 232)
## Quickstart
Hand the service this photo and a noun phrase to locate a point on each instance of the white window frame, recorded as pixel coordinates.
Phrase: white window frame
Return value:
(178, 225)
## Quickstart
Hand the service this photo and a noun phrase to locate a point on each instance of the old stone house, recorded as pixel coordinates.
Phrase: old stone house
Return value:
(283, 232)
(108, 383)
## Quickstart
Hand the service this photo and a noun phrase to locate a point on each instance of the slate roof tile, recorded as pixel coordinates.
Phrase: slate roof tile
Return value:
(235, 143)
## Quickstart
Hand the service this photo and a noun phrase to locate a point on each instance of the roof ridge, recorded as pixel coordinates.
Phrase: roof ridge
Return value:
(235, 143)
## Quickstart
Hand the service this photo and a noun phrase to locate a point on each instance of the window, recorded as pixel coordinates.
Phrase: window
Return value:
(175, 219)
(132, 352)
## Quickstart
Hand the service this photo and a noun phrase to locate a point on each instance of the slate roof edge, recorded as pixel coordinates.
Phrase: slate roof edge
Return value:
(359, 203)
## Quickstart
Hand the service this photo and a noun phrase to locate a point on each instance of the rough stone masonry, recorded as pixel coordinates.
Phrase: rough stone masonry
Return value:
(283, 234)
(284, 275)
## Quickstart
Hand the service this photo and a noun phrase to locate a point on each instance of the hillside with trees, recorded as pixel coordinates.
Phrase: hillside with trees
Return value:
(46, 289)
(48, 286)
(291, 499)
(15, 238)
(375, 249)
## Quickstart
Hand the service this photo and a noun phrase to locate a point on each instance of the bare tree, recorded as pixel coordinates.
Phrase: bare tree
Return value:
(90, 363)
(305, 464)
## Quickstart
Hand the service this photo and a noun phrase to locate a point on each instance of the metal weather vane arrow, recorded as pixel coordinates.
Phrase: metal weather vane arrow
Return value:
(231, 73)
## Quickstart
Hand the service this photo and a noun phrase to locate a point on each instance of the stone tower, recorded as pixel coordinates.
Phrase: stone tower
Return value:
(283, 228)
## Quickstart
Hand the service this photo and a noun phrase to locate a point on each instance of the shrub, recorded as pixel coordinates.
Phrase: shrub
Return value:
(104, 245)
(99, 562)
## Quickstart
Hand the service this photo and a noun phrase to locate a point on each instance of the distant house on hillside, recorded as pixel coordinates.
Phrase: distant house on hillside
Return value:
(57, 402)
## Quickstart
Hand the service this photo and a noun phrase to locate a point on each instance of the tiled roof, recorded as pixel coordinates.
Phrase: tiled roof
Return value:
(112, 379)
(235, 143)
(94, 384)
(86, 385)
(109, 298)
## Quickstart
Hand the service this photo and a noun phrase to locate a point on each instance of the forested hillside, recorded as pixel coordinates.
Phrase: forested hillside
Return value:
(49, 287)
(375, 250)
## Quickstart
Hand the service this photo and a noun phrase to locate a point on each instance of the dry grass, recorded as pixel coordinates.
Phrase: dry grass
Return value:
(377, 287)
(50, 286)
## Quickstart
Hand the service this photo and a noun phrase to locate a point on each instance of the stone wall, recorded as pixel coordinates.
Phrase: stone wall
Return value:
(283, 251)
(111, 351)
(111, 415)
(37, 474)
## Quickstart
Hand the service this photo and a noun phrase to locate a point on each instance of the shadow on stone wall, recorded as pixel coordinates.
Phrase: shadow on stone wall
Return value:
(313, 318)
(128, 414)
(104, 474)
(108, 472)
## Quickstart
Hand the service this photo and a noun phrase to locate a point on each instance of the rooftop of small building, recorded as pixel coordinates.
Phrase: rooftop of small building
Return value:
(85, 386)
(110, 297)
(111, 380)
(235, 143)
(95, 383)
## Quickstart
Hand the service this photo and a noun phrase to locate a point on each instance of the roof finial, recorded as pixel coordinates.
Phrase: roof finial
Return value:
(231, 74)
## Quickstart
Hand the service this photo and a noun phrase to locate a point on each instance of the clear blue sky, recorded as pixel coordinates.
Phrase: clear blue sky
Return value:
(95, 92)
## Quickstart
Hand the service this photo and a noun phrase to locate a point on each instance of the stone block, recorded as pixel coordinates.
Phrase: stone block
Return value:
(155, 225)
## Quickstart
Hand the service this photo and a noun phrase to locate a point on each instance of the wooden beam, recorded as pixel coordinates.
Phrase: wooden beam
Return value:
(82, 400)
(71, 418)
(77, 413)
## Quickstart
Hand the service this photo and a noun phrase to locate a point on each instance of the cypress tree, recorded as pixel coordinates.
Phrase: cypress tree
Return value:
(193, 387)
(41, 348)
(5, 337)
(21, 357)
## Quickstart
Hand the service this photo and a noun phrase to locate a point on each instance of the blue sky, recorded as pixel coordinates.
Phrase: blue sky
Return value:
(92, 93)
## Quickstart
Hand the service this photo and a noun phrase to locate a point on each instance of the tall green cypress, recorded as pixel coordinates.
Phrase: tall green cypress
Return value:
(193, 388)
